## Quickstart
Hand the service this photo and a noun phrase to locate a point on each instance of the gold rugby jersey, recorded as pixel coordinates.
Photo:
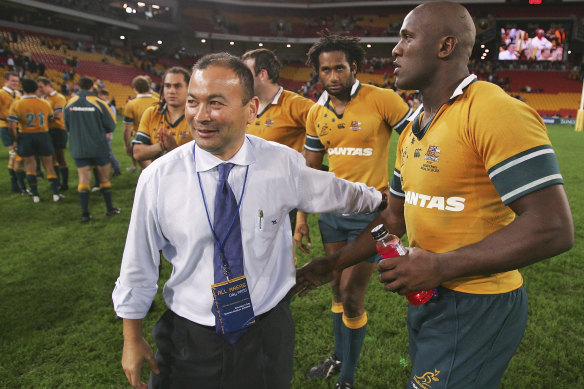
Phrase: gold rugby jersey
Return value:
(153, 120)
(284, 120)
(357, 142)
(135, 108)
(58, 102)
(7, 97)
(482, 151)
(32, 113)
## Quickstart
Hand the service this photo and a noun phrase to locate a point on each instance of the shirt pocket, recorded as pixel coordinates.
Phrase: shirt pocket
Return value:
(267, 223)
(267, 229)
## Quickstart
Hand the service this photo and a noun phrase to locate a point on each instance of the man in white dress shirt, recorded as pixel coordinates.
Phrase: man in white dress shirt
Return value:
(173, 212)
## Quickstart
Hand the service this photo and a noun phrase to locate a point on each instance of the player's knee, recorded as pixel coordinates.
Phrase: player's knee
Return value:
(352, 303)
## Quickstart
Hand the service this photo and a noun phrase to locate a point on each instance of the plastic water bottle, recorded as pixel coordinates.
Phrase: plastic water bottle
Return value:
(389, 246)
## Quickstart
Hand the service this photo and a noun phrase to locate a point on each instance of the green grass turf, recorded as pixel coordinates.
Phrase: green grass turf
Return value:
(58, 330)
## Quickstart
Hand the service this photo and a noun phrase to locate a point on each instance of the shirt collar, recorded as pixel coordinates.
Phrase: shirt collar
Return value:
(457, 92)
(274, 102)
(204, 160)
(7, 89)
(53, 93)
(277, 97)
(462, 86)
(324, 96)
(143, 95)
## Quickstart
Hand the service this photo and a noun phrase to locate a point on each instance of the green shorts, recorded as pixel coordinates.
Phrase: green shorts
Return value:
(98, 161)
(59, 138)
(6, 136)
(38, 143)
(462, 340)
(335, 227)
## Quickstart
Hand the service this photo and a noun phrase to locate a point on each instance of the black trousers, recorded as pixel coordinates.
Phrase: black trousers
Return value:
(193, 356)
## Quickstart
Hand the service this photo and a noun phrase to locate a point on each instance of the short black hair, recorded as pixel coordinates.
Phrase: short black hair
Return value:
(85, 83)
(331, 42)
(265, 59)
(229, 61)
(29, 85)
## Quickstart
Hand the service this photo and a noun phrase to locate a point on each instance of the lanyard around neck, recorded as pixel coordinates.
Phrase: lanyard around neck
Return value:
(221, 242)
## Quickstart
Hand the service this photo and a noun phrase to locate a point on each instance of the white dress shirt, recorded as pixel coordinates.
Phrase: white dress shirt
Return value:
(169, 215)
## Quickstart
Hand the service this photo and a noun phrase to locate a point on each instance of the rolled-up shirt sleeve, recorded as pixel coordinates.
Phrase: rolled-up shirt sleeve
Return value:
(137, 284)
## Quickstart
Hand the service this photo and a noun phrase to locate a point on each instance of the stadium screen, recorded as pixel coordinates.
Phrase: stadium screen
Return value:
(533, 40)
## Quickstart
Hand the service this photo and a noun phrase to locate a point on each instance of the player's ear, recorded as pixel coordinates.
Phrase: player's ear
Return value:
(253, 107)
(264, 74)
(447, 46)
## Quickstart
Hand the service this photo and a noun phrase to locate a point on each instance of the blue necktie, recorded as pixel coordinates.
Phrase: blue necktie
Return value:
(227, 229)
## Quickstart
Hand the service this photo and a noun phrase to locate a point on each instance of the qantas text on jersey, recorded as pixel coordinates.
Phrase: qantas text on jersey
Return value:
(365, 152)
(453, 204)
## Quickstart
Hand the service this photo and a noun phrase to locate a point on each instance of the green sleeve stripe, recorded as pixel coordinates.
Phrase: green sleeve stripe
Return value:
(532, 187)
(526, 172)
(313, 144)
(402, 124)
(519, 158)
(142, 138)
(396, 189)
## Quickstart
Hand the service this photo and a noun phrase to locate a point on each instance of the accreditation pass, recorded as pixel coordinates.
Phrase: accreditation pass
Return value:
(233, 303)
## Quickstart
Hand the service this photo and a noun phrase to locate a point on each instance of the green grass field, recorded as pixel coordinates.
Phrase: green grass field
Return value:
(57, 324)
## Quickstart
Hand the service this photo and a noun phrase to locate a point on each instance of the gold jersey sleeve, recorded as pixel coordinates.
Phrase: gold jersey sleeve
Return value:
(58, 103)
(6, 100)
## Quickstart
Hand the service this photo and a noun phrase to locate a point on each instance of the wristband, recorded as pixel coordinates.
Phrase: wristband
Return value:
(383, 203)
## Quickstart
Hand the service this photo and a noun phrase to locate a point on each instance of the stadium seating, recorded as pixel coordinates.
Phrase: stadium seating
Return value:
(557, 93)
(552, 91)
(116, 75)
(259, 21)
